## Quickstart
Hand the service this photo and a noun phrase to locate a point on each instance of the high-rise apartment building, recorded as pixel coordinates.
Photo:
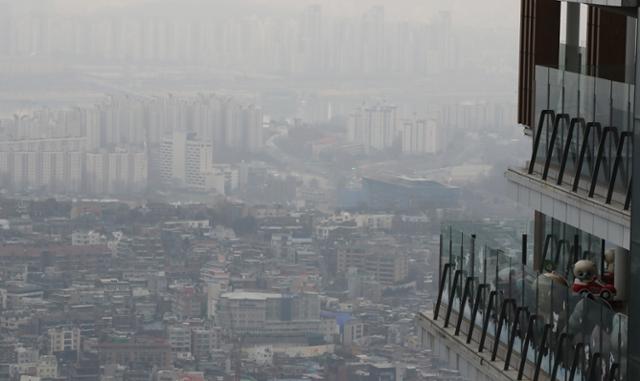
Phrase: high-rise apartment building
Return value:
(373, 37)
(375, 127)
(240, 128)
(559, 304)
(60, 152)
(121, 171)
(420, 137)
(312, 38)
(54, 164)
(186, 162)
(315, 43)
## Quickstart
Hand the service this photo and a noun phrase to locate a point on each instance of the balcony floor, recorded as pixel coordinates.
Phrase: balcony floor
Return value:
(480, 362)
(590, 215)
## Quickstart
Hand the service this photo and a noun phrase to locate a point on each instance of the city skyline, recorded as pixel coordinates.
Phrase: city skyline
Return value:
(468, 13)
(264, 190)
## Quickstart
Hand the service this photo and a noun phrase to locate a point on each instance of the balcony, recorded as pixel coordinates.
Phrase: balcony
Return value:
(581, 163)
(529, 323)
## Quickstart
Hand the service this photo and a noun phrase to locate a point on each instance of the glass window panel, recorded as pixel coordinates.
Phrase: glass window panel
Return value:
(603, 101)
(620, 106)
(587, 97)
(541, 104)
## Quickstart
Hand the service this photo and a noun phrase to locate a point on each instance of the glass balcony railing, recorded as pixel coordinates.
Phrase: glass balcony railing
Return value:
(531, 320)
(583, 134)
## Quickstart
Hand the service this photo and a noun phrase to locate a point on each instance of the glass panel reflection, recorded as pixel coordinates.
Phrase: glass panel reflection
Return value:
(587, 327)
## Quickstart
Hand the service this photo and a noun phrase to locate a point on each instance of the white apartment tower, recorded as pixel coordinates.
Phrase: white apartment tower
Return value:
(375, 128)
(420, 137)
(186, 162)
(49, 164)
(116, 172)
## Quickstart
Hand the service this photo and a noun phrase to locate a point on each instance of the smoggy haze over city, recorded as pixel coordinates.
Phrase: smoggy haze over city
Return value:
(264, 190)
(466, 11)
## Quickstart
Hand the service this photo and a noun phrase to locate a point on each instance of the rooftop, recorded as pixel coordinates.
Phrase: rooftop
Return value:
(243, 295)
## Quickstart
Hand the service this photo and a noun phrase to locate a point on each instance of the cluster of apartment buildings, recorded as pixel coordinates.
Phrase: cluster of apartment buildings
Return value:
(262, 43)
(114, 146)
(379, 128)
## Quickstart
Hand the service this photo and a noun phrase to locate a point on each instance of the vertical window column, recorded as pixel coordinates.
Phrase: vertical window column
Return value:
(539, 45)
(634, 258)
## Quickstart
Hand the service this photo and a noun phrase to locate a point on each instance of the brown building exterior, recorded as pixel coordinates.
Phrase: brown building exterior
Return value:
(385, 263)
(145, 351)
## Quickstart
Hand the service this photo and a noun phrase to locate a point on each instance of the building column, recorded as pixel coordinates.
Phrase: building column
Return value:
(630, 54)
(606, 44)
(634, 259)
(621, 273)
(538, 240)
(572, 59)
(539, 45)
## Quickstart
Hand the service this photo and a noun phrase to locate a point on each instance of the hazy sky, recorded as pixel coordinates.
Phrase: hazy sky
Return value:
(500, 13)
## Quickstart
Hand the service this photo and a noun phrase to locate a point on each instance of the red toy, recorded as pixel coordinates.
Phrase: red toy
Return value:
(586, 281)
(596, 288)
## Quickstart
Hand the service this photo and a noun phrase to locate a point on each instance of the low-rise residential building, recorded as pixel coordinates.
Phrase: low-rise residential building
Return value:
(149, 351)
(64, 339)
(269, 314)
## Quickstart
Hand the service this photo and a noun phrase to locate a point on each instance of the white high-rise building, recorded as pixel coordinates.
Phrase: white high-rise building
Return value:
(6, 166)
(186, 163)
(42, 164)
(116, 172)
(241, 126)
(420, 137)
(252, 121)
(375, 128)
(61, 170)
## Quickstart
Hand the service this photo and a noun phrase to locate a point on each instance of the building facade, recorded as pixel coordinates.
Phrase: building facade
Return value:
(557, 304)
(385, 263)
(64, 339)
(278, 316)
(373, 127)
(420, 137)
(147, 351)
(122, 171)
(406, 194)
(54, 164)
(204, 342)
(186, 162)
(66, 165)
